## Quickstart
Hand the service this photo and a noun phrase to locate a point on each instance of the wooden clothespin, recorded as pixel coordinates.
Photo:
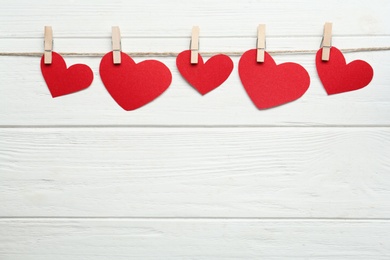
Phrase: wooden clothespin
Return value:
(260, 42)
(116, 44)
(326, 43)
(194, 45)
(48, 45)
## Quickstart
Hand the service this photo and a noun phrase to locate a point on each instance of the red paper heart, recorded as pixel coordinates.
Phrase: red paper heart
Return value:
(62, 81)
(337, 76)
(134, 85)
(269, 85)
(204, 77)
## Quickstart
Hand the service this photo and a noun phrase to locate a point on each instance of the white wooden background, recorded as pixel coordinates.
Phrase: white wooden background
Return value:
(192, 177)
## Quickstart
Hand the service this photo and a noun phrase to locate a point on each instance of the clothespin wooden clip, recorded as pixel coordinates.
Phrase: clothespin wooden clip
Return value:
(260, 42)
(326, 43)
(48, 45)
(194, 45)
(116, 44)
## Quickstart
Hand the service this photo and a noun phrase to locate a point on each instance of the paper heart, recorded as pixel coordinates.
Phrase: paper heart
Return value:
(204, 77)
(269, 85)
(61, 80)
(337, 76)
(134, 85)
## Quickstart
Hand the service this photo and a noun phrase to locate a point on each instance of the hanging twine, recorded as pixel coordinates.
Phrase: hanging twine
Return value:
(174, 54)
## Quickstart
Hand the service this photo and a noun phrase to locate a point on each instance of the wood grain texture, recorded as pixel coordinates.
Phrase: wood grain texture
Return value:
(191, 177)
(193, 239)
(26, 100)
(176, 18)
(184, 172)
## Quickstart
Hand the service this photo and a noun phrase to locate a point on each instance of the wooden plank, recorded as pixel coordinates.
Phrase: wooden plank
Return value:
(32, 239)
(195, 172)
(175, 18)
(178, 44)
(26, 100)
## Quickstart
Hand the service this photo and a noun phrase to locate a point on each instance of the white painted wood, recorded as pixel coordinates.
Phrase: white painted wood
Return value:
(196, 172)
(176, 18)
(30, 239)
(82, 179)
(178, 44)
(26, 100)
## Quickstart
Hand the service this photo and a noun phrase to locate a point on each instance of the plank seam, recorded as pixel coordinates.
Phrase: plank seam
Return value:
(260, 219)
(187, 126)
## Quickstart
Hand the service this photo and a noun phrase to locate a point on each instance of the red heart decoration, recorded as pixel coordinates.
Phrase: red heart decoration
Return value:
(269, 85)
(62, 81)
(204, 77)
(134, 85)
(337, 76)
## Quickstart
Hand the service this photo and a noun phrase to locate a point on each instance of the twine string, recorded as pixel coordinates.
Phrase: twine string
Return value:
(174, 54)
